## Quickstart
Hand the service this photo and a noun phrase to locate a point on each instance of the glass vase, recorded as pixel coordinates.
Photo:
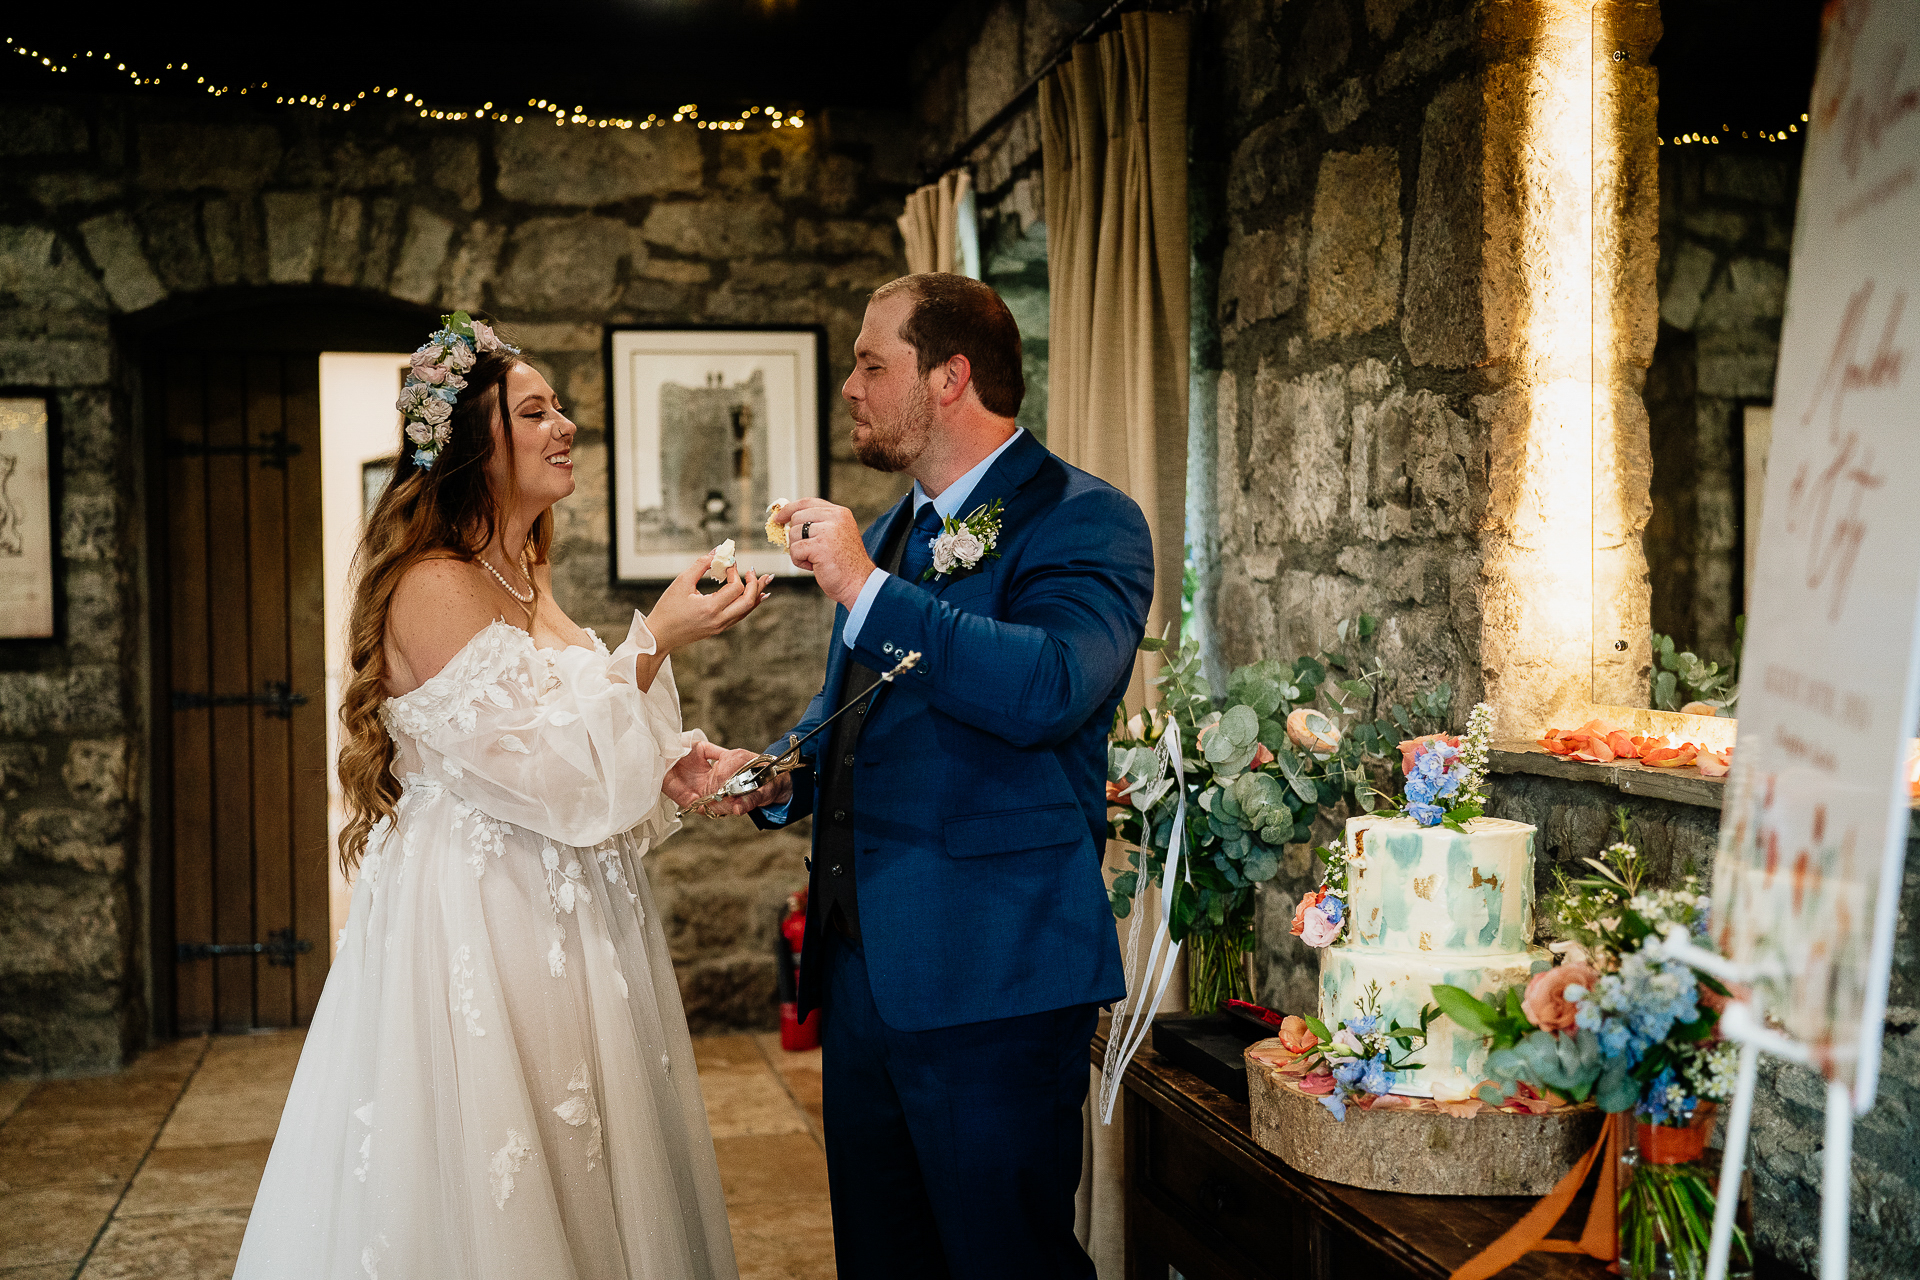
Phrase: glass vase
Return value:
(1217, 970)
(1667, 1183)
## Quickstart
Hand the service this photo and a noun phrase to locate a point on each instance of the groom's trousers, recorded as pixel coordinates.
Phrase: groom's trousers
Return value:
(953, 1152)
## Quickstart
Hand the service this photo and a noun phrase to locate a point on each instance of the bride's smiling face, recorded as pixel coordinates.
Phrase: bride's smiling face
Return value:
(540, 452)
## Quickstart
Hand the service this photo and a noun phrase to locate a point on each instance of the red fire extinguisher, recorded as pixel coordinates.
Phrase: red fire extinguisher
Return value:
(795, 1035)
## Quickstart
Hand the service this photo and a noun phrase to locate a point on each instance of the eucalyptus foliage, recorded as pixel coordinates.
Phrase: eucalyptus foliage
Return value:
(1250, 789)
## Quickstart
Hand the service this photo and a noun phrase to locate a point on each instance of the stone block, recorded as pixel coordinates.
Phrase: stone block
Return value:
(172, 233)
(113, 242)
(656, 299)
(1733, 365)
(474, 265)
(41, 130)
(455, 165)
(1260, 274)
(776, 275)
(1299, 430)
(731, 994)
(1425, 52)
(593, 167)
(1353, 248)
(836, 183)
(716, 228)
(340, 257)
(1725, 226)
(20, 766)
(62, 931)
(993, 64)
(80, 699)
(1445, 319)
(357, 164)
(220, 225)
(780, 161)
(89, 526)
(88, 443)
(1687, 281)
(1326, 41)
(189, 155)
(96, 614)
(296, 230)
(1759, 178)
(54, 362)
(416, 276)
(1270, 161)
(843, 237)
(1251, 64)
(1752, 291)
(545, 339)
(56, 190)
(383, 238)
(96, 772)
(41, 271)
(564, 264)
(1384, 15)
(669, 270)
(1344, 105)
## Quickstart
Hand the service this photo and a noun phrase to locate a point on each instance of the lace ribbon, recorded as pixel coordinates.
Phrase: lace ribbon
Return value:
(1132, 1017)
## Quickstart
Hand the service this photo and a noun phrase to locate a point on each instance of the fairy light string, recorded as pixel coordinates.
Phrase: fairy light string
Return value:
(536, 109)
(1696, 138)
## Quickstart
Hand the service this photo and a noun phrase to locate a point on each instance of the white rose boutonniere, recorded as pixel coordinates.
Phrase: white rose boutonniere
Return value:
(962, 544)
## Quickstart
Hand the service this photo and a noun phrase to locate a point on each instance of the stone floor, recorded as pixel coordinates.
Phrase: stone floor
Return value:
(148, 1174)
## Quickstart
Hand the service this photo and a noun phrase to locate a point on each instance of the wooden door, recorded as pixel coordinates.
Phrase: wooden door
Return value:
(246, 696)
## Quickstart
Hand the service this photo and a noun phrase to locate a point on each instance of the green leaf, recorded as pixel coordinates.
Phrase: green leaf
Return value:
(1122, 907)
(1399, 714)
(1152, 645)
(1281, 833)
(1356, 688)
(1273, 734)
(1471, 1013)
(1262, 864)
(1241, 725)
(1368, 625)
(1318, 1028)
(1126, 883)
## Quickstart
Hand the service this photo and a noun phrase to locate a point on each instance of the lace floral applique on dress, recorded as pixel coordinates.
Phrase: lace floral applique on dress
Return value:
(460, 990)
(505, 1165)
(582, 1110)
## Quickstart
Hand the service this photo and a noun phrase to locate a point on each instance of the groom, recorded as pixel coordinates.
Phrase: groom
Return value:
(959, 940)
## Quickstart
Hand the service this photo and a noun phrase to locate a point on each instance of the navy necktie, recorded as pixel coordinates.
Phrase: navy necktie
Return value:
(917, 556)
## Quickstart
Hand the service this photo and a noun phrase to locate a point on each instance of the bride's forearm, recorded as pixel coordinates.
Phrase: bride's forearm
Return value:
(645, 668)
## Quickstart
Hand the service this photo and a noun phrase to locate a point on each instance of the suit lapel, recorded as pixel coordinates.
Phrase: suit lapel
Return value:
(1003, 479)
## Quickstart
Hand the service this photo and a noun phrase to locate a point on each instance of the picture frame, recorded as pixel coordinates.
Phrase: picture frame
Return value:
(705, 426)
(29, 538)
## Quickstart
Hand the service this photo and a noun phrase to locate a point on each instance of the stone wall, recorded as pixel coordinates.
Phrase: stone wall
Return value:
(1726, 226)
(115, 211)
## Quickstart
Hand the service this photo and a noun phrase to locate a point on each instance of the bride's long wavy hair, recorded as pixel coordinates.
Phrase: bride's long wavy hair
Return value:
(449, 509)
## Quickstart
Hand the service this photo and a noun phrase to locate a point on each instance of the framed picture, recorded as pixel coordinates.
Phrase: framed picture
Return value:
(706, 427)
(26, 521)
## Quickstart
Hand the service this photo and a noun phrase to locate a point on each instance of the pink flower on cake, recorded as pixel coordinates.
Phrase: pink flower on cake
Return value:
(1414, 746)
(1296, 1035)
(1546, 1004)
(1316, 930)
(1311, 898)
(1345, 1039)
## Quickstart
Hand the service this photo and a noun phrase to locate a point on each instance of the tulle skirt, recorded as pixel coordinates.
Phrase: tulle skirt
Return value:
(498, 1081)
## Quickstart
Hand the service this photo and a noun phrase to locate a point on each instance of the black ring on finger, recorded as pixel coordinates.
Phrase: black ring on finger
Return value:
(806, 530)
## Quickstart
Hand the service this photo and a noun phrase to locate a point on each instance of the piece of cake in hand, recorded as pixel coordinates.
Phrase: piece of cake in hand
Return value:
(724, 558)
(776, 532)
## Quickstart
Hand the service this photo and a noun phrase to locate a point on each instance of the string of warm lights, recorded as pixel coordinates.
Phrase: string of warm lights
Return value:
(536, 108)
(1726, 132)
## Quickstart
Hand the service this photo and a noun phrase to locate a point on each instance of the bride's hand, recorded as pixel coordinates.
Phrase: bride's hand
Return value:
(694, 776)
(684, 614)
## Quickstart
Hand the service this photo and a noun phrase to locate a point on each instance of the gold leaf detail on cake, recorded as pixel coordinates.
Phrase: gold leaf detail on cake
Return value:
(1426, 942)
(1492, 882)
(1423, 887)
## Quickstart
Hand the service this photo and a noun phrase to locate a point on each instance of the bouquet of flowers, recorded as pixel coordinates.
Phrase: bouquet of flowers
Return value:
(1259, 764)
(1354, 1064)
(1437, 767)
(1617, 1021)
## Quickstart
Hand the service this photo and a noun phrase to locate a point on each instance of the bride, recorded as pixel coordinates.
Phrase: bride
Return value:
(498, 1081)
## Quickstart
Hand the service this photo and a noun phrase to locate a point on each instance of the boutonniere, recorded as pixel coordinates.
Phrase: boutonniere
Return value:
(963, 544)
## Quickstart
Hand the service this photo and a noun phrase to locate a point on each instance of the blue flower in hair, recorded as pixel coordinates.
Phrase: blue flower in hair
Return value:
(423, 459)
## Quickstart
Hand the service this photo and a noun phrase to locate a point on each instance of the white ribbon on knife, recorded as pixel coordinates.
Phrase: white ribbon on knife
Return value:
(1133, 1016)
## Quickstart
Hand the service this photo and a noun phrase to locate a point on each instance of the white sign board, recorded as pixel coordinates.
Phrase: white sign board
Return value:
(1814, 836)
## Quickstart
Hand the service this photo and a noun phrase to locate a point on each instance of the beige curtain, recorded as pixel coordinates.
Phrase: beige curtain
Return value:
(940, 229)
(1113, 134)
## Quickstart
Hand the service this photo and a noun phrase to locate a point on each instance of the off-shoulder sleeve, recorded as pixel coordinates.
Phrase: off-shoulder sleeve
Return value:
(563, 742)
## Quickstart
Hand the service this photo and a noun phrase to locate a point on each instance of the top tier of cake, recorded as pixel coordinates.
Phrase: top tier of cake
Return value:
(1414, 888)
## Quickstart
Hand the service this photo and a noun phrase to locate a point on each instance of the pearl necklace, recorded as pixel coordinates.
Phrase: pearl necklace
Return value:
(508, 586)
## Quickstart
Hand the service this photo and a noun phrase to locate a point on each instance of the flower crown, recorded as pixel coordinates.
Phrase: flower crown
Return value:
(434, 383)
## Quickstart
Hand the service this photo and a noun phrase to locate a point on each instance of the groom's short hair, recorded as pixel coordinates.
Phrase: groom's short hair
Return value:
(955, 316)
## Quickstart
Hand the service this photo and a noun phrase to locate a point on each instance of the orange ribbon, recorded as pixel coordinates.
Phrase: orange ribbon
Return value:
(1599, 1239)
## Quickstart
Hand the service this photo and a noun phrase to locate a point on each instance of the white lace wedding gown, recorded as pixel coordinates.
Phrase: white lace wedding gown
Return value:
(498, 1082)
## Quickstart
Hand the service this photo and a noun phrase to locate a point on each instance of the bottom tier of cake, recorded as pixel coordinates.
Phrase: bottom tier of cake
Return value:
(1405, 981)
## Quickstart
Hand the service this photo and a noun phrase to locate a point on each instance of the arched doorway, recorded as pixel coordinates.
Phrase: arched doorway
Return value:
(231, 392)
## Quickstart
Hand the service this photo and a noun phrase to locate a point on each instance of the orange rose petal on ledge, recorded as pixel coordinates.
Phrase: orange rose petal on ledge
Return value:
(1465, 1109)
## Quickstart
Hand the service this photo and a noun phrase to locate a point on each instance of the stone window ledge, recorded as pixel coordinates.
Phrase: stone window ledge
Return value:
(1683, 785)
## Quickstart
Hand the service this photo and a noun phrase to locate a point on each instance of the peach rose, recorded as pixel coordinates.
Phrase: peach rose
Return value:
(1546, 1004)
(1296, 1036)
(1310, 899)
(1414, 746)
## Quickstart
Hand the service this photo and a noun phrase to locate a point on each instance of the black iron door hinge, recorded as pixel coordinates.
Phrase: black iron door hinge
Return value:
(280, 948)
(279, 699)
(273, 449)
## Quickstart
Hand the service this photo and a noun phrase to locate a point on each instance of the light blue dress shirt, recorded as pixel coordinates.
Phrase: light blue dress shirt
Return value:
(948, 504)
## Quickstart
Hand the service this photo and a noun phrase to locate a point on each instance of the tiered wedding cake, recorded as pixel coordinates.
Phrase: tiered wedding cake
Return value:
(1427, 905)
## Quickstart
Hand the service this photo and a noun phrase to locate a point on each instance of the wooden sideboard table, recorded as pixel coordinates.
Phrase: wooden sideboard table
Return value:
(1208, 1202)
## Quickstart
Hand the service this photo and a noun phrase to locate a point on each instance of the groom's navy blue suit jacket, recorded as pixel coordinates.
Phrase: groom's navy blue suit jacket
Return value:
(980, 812)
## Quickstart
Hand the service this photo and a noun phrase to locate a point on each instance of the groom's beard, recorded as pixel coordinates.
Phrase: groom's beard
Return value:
(894, 446)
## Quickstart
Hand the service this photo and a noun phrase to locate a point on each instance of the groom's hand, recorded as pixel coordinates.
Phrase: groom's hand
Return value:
(832, 549)
(778, 791)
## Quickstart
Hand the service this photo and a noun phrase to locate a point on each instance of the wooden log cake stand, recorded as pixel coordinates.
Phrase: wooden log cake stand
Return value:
(1204, 1198)
(1419, 1152)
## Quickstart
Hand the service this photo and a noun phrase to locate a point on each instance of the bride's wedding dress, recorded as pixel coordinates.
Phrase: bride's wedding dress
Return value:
(498, 1081)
